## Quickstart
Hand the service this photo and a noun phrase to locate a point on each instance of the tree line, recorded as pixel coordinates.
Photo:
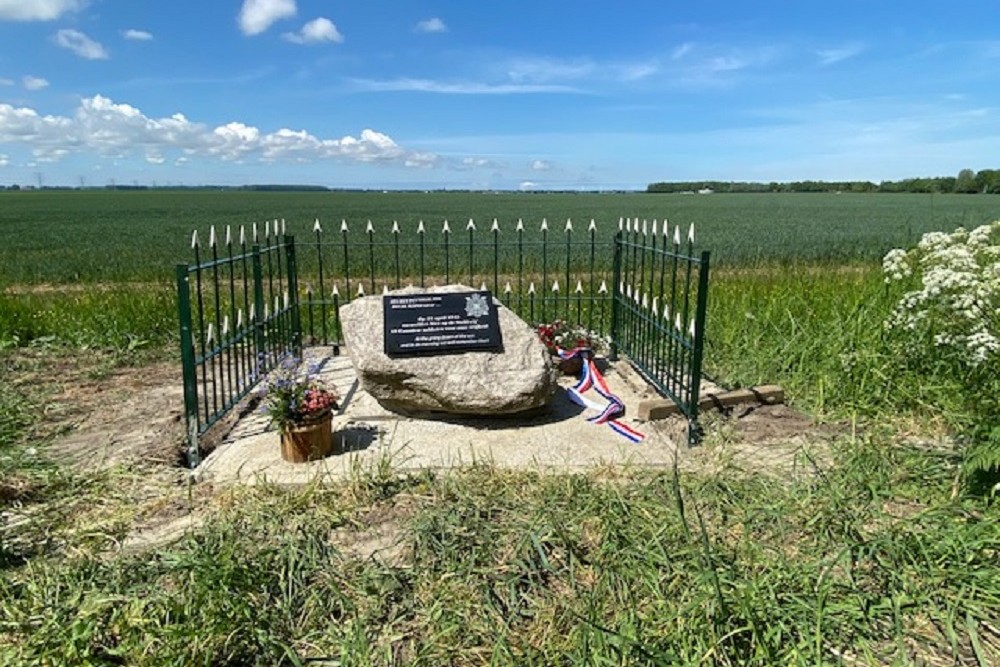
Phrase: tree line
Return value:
(984, 181)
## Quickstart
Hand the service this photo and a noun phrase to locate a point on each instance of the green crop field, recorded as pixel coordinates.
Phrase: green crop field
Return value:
(102, 236)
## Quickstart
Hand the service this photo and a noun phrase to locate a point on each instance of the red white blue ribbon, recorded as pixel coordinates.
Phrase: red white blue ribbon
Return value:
(591, 378)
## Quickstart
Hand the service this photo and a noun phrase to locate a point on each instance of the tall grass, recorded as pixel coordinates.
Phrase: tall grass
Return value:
(118, 317)
(817, 331)
(859, 563)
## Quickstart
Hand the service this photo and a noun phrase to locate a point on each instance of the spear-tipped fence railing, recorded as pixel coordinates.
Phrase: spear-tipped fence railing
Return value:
(254, 300)
(658, 310)
(539, 279)
(238, 308)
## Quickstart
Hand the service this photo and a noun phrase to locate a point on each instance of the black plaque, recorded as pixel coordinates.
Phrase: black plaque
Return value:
(442, 323)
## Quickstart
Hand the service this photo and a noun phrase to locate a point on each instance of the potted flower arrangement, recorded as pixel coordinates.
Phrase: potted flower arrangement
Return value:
(567, 336)
(302, 408)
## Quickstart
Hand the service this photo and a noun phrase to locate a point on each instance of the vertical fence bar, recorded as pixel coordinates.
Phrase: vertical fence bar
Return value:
(201, 319)
(590, 309)
(219, 384)
(545, 267)
(249, 358)
(665, 305)
(395, 240)
(520, 271)
(318, 230)
(336, 316)
(309, 310)
(234, 349)
(531, 301)
(188, 366)
(347, 261)
(421, 233)
(446, 232)
(496, 256)
(694, 433)
(671, 325)
(260, 341)
(293, 294)
(371, 255)
(616, 269)
(270, 275)
(472, 229)
(569, 234)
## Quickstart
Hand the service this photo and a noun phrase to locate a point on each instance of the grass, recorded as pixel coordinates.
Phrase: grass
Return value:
(117, 317)
(872, 557)
(817, 332)
(855, 564)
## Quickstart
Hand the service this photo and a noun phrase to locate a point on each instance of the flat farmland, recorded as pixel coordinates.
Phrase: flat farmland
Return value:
(854, 525)
(60, 237)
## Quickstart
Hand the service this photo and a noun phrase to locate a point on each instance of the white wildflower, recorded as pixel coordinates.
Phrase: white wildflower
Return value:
(895, 265)
(944, 340)
(959, 297)
(933, 240)
(982, 346)
(980, 236)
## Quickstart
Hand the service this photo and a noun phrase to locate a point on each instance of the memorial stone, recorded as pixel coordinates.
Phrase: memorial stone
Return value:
(516, 376)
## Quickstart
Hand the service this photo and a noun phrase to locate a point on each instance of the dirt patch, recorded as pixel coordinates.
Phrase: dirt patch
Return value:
(777, 440)
(134, 414)
(99, 412)
(379, 532)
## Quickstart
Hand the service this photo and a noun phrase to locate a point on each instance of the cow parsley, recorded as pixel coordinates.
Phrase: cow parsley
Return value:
(957, 305)
(950, 318)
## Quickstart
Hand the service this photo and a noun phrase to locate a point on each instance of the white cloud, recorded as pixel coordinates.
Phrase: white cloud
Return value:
(6, 82)
(316, 31)
(458, 88)
(137, 35)
(527, 185)
(4, 160)
(37, 10)
(636, 71)
(467, 163)
(725, 64)
(34, 83)
(681, 51)
(831, 56)
(431, 25)
(256, 16)
(544, 70)
(80, 44)
(113, 130)
(541, 165)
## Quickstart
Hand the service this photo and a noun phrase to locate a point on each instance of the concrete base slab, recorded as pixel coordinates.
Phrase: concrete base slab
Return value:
(560, 437)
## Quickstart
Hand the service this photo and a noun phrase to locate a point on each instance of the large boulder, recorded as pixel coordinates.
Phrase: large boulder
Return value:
(518, 379)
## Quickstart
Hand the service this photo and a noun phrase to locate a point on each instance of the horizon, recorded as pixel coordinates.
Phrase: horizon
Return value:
(521, 97)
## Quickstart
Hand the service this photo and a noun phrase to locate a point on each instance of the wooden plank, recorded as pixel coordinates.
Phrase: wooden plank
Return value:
(661, 408)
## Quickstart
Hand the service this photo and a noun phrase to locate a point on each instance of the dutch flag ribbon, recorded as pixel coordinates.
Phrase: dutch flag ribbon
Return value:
(591, 378)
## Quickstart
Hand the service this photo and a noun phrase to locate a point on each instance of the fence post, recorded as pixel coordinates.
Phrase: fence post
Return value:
(293, 294)
(694, 432)
(188, 365)
(616, 270)
(258, 303)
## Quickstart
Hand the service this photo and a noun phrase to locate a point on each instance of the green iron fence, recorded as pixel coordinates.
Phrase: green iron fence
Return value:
(260, 297)
(238, 309)
(539, 273)
(658, 311)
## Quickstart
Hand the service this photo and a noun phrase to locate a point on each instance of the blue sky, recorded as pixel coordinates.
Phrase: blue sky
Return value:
(511, 95)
